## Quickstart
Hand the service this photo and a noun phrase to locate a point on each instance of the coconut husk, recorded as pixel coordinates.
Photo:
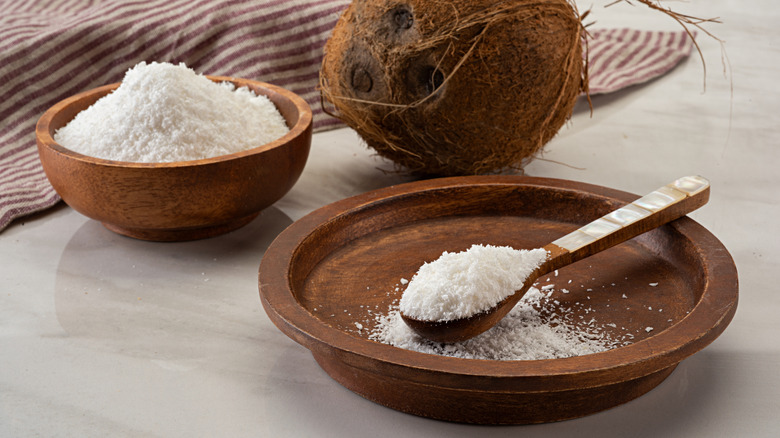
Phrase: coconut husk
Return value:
(455, 87)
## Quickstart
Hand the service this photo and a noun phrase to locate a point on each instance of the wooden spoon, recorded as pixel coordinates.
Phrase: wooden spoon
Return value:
(659, 207)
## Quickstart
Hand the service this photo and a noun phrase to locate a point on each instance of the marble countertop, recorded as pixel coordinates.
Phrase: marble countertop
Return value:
(102, 335)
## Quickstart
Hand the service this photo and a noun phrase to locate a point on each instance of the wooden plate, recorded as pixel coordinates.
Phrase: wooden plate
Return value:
(325, 272)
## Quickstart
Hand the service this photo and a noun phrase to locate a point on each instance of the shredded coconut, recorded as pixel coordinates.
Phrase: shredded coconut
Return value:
(531, 331)
(463, 284)
(163, 113)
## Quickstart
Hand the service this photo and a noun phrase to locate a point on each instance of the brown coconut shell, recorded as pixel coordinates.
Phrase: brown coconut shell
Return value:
(455, 87)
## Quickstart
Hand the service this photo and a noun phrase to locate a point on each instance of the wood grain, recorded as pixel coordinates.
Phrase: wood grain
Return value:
(326, 271)
(181, 200)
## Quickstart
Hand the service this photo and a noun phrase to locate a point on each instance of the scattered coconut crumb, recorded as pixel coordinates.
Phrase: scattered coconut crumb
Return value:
(536, 328)
(539, 327)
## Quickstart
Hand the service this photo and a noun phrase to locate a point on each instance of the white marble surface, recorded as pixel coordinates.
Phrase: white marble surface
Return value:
(102, 335)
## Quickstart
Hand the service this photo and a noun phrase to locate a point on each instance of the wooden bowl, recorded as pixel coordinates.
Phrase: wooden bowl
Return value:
(324, 272)
(178, 200)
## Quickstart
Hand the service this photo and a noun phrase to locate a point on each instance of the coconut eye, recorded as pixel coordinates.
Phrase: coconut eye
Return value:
(423, 79)
(431, 78)
(361, 80)
(402, 18)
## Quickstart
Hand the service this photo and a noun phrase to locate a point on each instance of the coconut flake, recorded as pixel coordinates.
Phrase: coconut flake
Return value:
(163, 112)
(463, 284)
(531, 331)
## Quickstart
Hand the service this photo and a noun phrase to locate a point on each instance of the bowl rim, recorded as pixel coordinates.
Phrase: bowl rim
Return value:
(43, 129)
(706, 321)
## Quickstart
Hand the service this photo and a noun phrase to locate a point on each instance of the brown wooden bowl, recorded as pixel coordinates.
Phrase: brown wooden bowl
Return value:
(179, 200)
(324, 272)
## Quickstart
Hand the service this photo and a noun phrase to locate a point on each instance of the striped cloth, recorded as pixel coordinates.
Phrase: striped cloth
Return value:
(51, 49)
(622, 57)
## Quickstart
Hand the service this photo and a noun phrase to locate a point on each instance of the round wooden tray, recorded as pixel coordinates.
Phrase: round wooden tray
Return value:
(341, 264)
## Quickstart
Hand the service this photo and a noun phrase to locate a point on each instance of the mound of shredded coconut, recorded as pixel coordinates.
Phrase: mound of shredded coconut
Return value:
(463, 284)
(531, 331)
(163, 113)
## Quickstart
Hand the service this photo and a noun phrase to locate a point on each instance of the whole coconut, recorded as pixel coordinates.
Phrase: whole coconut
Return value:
(455, 87)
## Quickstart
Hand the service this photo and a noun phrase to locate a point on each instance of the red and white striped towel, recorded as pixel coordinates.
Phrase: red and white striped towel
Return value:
(51, 49)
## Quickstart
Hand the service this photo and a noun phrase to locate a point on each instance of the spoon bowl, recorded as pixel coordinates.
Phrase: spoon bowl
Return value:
(657, 208)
